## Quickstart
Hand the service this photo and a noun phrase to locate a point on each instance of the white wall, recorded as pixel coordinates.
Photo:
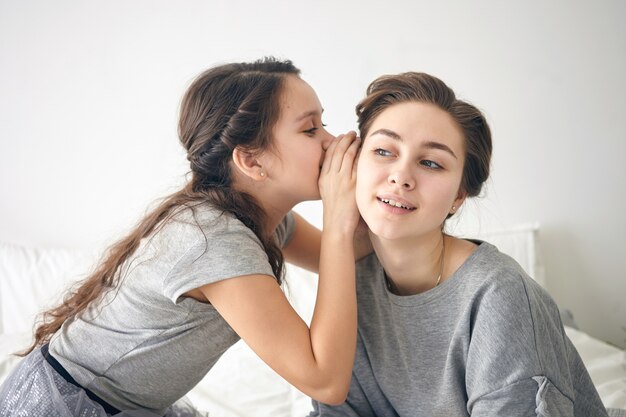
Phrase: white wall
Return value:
(89, 92)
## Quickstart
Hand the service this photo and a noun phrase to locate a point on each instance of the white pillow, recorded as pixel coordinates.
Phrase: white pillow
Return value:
(32, 279)
(10, 344)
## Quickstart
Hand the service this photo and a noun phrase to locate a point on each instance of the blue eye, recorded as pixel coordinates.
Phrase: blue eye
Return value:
(382, 152)
(430, 164)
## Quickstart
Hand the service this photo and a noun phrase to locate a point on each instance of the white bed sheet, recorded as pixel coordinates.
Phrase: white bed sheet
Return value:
(606, 365)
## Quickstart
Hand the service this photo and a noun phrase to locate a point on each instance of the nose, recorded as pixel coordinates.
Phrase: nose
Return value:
(327, 140)
(401, 179)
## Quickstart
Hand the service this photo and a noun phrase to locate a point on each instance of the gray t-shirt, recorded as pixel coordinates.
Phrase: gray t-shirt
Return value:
(488, 341)
(144, 345)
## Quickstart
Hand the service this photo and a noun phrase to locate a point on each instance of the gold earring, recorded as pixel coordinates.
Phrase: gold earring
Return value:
(453, 208)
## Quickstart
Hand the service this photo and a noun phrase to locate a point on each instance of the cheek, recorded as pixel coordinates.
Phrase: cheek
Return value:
(363, 178)
(365, 171)
(360, 197)
(313, 152)
(364, 188)
(443, 195)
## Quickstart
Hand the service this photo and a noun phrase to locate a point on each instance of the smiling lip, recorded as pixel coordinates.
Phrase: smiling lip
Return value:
(396, 203)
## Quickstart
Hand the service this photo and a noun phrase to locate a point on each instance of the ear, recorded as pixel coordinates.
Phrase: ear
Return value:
(248, 164)
(460, 198)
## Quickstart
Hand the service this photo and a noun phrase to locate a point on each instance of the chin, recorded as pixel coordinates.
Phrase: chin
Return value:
(391, 228)
(384, 231)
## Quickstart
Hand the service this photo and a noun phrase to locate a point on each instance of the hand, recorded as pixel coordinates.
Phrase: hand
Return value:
(337, 184)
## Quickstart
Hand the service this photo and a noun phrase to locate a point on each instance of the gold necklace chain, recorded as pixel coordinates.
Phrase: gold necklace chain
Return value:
(391, 286)
(443, 254)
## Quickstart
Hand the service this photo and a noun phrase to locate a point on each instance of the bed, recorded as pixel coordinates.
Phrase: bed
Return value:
(240, 385)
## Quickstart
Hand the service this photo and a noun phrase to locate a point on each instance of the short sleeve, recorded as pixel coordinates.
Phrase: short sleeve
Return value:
(225, 250)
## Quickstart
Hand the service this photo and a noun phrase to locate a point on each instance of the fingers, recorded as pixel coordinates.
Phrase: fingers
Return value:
(330, 151)
(356, 158)
(353, 153)
(341, 152)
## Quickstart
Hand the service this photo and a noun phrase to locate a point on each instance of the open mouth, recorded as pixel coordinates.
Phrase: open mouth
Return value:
(394, 203)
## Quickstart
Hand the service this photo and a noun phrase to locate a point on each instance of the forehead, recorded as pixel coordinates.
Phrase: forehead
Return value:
(417, 122)
(298, 98)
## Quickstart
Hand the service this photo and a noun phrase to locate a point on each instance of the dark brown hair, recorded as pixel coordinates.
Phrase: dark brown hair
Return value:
(388, 90)
(226, 106)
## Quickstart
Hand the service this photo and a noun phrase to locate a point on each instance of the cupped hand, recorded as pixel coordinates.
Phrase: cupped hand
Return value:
(337, 183)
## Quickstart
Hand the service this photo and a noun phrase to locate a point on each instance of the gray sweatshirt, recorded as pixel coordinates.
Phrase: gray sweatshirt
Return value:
(488, 341)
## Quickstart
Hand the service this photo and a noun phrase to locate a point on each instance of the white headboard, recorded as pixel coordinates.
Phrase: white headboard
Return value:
(521, 242)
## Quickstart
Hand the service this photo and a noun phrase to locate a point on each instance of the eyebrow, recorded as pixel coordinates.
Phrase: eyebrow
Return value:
(431, 144)
(308, 114)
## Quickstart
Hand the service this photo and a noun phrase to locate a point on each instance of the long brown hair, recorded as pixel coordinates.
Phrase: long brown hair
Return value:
(226, 106)
(421, 87)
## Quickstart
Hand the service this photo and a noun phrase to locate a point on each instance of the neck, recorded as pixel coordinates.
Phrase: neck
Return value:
(274, 216)
(274, 207)
(412, 265)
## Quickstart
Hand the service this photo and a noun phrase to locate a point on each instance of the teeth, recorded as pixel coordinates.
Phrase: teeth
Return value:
(394, 203)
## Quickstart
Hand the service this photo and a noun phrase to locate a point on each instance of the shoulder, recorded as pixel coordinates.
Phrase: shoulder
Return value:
(201, 245)
(509, 301)
(503, 274)
(488, 259)
(202, 223)
(490, 270)
(193, 232)
(501, 292)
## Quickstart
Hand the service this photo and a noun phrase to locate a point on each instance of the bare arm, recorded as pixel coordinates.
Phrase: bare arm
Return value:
(318, 361)
(304, 247)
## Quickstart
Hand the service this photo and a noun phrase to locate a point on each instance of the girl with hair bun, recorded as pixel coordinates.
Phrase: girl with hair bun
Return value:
(447, 326)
